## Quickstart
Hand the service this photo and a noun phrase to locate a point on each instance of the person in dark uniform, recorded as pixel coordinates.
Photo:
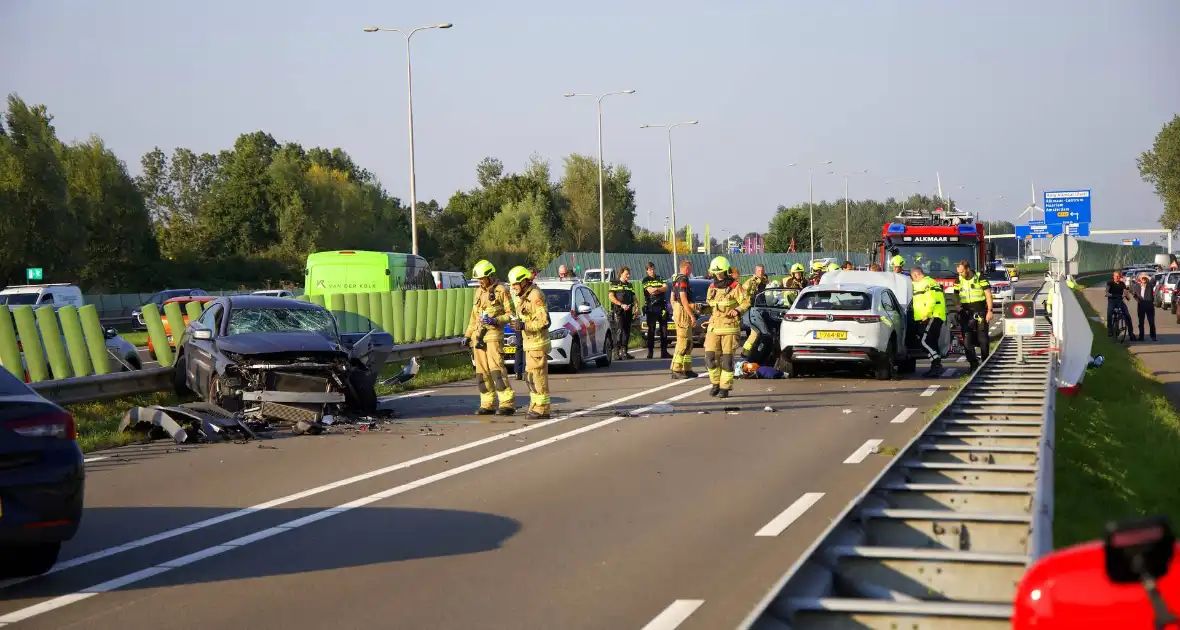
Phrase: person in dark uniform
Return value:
(622, 310)
(975, 312)
(655, 292)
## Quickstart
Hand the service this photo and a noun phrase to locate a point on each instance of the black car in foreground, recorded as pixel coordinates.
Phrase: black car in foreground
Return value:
(42, 478)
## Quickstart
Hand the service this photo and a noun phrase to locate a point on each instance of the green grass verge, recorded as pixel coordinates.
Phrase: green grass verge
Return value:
(98, 423)
(137, 338)
(1117, 446)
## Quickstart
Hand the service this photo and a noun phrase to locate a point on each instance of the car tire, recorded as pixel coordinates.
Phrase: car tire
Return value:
(608, 347)
(575, 363)
(908, 365)
(216, 398)
(886, 367)
(179, 374)
(28, 560)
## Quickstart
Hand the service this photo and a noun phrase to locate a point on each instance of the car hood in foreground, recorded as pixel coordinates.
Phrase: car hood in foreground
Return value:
(277, 342)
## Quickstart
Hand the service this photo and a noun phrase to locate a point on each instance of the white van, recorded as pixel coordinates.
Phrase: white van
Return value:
(38, 295)
(448, 279)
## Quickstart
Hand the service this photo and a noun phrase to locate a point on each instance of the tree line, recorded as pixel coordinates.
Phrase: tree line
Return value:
(1160, 167)
(249, 215)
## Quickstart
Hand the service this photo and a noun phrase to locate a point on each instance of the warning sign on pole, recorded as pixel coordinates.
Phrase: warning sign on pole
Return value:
(1020, 318)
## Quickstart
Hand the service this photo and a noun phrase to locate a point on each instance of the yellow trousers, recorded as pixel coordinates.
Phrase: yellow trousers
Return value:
(719, 350)
(682, 355)
(537, 368)
(489, 372)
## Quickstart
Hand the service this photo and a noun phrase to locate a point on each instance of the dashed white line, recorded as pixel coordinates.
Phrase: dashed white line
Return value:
(904, 415)
(674, 615)
(949, 372)
(930, 390)
(864, 451)
(95, 459)
(781, 522)
(414, 394)
(243, 541)
(962, 359)
(217, 520)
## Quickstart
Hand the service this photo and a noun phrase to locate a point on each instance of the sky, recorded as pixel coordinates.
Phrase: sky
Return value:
(994, 97)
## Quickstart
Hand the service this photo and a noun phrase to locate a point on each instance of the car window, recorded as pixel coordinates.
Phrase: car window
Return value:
(18, 299)
(888, 303)
(46, 298)
(584, 296)
(207, 318)
(557, 300)
(834, 300)
(997, 276)
(281, 320)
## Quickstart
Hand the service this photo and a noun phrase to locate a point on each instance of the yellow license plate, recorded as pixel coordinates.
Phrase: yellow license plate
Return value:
(510, 350)
(671, 326)
(840, 335)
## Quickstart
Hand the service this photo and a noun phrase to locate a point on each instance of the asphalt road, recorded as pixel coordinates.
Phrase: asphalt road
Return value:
(650, 518)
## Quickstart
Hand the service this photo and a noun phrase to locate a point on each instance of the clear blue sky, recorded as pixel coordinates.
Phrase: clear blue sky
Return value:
(991, 95)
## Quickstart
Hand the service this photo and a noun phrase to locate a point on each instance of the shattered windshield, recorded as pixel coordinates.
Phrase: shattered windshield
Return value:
(279, 320)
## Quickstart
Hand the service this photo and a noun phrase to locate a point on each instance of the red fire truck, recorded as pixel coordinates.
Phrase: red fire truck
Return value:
(935, 240)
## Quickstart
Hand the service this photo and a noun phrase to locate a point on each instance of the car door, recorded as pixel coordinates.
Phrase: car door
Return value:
(897, 322)
(599, 321)
(199, 352)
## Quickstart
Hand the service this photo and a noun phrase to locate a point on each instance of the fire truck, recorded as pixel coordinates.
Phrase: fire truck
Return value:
(935, 240)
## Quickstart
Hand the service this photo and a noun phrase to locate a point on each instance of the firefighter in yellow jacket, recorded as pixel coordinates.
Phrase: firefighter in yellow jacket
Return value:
(754, 285)
(534, 321)
(485, 334)
(726, 299)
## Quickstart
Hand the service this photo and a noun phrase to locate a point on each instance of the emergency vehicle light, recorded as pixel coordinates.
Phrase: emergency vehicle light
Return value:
(896, 228)
(967, 228)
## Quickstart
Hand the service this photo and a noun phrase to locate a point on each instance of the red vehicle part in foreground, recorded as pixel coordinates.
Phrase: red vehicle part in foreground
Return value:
(1069, 589)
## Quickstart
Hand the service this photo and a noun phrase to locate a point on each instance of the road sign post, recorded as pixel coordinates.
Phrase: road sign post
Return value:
(33, 274)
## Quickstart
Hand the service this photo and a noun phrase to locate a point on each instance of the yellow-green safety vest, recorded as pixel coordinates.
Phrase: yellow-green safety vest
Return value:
(929, 300)
(972, 291)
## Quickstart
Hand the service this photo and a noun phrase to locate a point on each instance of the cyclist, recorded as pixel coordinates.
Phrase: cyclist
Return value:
(1116, 297)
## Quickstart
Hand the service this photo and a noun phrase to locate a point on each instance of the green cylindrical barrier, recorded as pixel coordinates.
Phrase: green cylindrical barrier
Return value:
(385, 303)
(71, 329)
(375, 314)
(30, 342)
(55, 348)
(96, 339)
(317, 299)
(411, 323)
(175, 317)
(205, 305)
(468, 306)
(440, 316)
(155, 327)
(193, 310)
(9, 351)
(334, 302)
(449, 312)
(350, 312)
(420, 317)
(431, 314)
(397, 302)
(303, 298)
(361, 319)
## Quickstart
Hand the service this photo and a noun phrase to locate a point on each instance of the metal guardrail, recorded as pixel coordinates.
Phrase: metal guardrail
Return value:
(941, 538)
(69, 391)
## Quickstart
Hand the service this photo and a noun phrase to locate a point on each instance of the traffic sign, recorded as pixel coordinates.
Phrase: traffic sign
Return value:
(1020, 318)
(33, 273)
(1034, 230)
(1067, 206)
(1058, 248)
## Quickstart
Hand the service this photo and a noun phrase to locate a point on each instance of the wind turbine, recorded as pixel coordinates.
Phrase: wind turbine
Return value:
(1031, 211)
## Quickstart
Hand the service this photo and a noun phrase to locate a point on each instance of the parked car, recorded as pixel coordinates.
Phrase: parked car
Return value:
(275, 293)
(448, 279)
(596, 275)
(699, 288)
(42, 480)
(1013, 271)
(38, 295)
(1002, 286)
(578, 327)
(184, 315)
(1166, 288)
(287, 355)
(158, 299)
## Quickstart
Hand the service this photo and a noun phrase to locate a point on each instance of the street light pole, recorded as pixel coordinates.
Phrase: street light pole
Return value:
(811, 203)
(847, 238)
(601, 199)
(410, 111)
(671, 182)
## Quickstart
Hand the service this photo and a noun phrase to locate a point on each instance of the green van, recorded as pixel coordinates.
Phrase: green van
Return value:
(352, 271)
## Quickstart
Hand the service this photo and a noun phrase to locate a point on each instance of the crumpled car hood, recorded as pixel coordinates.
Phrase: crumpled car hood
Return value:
(272, 343)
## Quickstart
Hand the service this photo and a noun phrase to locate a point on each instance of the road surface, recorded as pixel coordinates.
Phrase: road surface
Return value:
(616, 514)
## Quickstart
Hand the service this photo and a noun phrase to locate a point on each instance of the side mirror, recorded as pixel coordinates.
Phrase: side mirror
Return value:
(110, 333)
(584, 309)
(203, 334)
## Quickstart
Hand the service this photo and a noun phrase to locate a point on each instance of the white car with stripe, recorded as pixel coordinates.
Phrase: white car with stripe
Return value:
(578, 327)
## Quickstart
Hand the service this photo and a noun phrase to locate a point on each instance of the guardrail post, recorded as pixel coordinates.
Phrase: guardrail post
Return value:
(420, 316)
(51, 337)
(155, 326)
(431, 314)
(95, 339)
(411, 317)
(9, 351)
(71, 328)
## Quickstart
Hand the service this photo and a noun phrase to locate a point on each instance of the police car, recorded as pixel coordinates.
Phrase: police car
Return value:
(1003, 287)
(578, 327)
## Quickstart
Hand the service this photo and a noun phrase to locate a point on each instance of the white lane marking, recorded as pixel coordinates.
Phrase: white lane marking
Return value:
(413, 394)
(95, 459)
(864, 451)
(904, 415)
(242, 541)
(949, 372)
(217, 520)
(674, 615)
(962, 359)
(781, 522)
(930, 390)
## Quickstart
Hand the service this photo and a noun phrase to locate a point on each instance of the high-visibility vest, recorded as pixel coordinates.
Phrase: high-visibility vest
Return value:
(929, 300)
(973, 290)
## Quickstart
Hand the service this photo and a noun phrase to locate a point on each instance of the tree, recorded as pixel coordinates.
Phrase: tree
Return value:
(580, 187)
(1160, 167)
(787, 225)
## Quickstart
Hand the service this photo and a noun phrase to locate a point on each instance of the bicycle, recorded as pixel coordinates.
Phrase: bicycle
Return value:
(1121, 326)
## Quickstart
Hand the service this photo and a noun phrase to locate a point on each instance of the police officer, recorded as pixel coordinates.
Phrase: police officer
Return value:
(622, 312)
(930, 312)
(485, 333)
(533, 320)
(898, 264)
(684, 316)
(726, 299)
(975, 312)
(754, 285)
(655, 309)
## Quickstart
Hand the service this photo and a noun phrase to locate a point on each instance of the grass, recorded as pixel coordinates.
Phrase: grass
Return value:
(98, 422)
(1117, 446)
(137, 338)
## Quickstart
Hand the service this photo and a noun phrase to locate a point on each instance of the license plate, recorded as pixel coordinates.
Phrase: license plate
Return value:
(831, 334)
(671, 326)
(510, 350)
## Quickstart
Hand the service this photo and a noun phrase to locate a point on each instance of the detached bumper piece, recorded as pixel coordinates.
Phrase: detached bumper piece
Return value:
(186, 424)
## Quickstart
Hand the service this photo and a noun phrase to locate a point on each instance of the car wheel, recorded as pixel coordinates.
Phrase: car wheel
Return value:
(575, 355)
(179, 380)
(886, 368)
(28, 560)
(608, 347)
(227, 403)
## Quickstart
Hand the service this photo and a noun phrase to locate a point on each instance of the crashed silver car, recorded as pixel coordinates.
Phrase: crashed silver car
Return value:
(277, 360)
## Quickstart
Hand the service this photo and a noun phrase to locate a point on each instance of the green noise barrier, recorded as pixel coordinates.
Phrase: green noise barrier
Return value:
(96, 339)
(155, 326)
(29, 338)
(397, 309)
(431, 309)
(71, 330)
(411, 316)
(420, 326)
(51, 338)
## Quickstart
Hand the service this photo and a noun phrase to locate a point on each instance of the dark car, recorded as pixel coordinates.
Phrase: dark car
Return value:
(158, 299)
(279, 359)
(699, 288)
(42, 479)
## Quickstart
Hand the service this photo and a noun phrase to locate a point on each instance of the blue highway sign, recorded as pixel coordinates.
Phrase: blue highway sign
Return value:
(1067, 206)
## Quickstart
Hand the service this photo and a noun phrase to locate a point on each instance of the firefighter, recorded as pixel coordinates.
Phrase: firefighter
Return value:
(756, 284)
(930, 312)
(485, 333)
(975, 308)
(683, 315)
(817, 272)
(622, 312)
(726, 299)
(533, 319)
(898, 264)
(655, 309)
(796, 282)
